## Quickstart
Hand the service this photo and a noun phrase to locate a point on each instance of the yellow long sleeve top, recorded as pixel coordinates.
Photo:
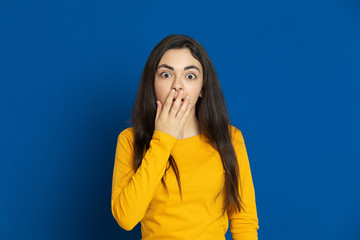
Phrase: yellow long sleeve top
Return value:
(140, 196)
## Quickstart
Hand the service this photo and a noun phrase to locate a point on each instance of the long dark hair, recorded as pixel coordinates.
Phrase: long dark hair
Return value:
(210, 111)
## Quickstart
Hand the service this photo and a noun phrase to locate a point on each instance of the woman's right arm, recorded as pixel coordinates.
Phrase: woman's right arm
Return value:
(132, 191)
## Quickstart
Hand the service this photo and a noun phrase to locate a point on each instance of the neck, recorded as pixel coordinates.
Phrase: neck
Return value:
(191, 127)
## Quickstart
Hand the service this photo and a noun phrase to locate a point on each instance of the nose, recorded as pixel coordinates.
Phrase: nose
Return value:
(177, 84)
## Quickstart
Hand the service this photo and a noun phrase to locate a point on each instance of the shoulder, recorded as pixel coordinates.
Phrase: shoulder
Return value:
(236, 134)
(239, 146)
(128, 132)
(126, 136)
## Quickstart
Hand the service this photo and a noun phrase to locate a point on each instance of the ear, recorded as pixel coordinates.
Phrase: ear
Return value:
(200, 95)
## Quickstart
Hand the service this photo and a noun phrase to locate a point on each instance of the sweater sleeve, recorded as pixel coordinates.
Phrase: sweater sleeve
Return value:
(132, 191)
(244, 224)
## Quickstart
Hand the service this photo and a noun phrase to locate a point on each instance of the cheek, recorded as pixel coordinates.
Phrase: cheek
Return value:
(161, 91)
(195, 93)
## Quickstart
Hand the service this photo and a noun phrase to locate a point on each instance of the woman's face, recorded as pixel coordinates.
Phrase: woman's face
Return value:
(179, 70)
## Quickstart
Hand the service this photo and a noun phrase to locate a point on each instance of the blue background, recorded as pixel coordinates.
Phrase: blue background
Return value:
(69, 71)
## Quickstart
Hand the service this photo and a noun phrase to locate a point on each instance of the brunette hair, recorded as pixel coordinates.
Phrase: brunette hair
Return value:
(210, 111)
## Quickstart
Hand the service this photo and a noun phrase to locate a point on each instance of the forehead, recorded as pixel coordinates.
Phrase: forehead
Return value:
(179, 58)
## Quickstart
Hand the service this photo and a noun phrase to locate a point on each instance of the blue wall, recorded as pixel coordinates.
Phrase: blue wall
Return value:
(69, 71)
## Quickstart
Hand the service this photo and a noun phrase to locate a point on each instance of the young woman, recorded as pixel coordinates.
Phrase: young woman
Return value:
(182, 170)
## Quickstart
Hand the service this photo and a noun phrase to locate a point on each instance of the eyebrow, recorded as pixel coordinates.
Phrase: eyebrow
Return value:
(185, 68)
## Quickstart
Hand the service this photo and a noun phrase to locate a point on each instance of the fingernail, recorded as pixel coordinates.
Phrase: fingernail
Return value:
(172, 90)
(187, 97)
(181, 92)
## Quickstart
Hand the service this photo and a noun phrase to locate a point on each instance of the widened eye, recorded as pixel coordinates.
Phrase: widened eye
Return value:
(191, 76)
(165, 75)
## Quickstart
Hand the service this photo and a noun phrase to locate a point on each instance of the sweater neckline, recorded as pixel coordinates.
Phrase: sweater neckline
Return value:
(188, 140)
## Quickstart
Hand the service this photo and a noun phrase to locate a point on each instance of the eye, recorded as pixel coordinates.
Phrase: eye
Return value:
(191, 76)
(165, 75)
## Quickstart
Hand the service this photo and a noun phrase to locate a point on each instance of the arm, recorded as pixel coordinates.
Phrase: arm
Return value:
(133, 191)
(244, 225)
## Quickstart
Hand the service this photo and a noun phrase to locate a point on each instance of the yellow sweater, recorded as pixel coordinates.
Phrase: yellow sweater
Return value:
(140, 196)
